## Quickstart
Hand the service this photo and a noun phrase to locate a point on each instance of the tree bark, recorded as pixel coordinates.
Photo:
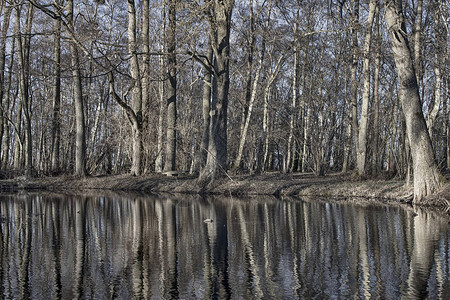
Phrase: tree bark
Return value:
(427, 178)
(376, 100)
(161, 89)
(23, 66)
(80, 126)
(295, 86)
(220, 26)
(171, 91)
(254, 87)
(418, 41)
(56, 122)
(361, 152)
(353, 71)
(5, 26)
(136, 92)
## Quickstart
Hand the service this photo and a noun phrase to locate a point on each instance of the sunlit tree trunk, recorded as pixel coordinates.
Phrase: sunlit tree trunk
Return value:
(427, 178)
(361, 152)
(171, 132)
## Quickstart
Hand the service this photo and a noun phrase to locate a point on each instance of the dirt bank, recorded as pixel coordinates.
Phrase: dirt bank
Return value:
(336, 186)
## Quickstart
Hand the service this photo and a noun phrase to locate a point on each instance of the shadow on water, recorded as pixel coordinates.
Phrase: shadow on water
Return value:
(134, 246)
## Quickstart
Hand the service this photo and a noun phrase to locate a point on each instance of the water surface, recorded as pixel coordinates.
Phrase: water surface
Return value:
(145, 247)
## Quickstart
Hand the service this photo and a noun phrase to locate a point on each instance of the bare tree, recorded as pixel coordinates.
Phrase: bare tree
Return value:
(171, 90)
(219, 17)
(56, 122)
(362, 132)
(427, 178)
(80, 126)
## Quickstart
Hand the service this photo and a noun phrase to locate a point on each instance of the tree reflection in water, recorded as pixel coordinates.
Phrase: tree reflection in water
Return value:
(130, 247)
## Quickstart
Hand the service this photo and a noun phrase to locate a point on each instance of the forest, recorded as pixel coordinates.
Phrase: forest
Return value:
(212, 87)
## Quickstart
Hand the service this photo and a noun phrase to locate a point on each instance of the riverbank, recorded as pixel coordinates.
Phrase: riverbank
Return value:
(333, 186)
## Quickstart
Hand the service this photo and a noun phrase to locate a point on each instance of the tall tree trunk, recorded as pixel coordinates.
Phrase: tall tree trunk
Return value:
(447, 124)
(220, 26)
(5, 26)
(249, 74)
(136, 92)
(353, 71)
(295, 86)
(418, 42)
(161, 88)
(202, 154)
(376, 100)
(427, 178)
(361, 152)
(5, 105)
(254, 87)
(262, 163)
(171, 132)
(56, 122)
(146, 80)
(348, 135)
(433, 109)
(80, 127)
(145, 59)
(23, 52)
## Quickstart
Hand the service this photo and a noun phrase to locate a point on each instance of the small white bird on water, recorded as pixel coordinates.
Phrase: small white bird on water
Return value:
(208, 220)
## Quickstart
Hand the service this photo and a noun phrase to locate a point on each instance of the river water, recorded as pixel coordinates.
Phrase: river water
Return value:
(148, 247)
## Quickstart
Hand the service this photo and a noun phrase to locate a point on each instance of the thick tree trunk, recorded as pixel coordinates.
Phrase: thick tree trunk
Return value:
(171, 91)
(427, 178)
(361, 152)
(220, 25)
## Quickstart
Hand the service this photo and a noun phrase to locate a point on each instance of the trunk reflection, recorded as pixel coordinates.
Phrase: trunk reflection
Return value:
(132, 247)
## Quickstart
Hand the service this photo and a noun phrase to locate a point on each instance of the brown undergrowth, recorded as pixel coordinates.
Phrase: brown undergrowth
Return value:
(333, 186)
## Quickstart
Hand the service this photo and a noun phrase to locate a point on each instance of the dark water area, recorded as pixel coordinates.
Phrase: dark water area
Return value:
(145, 247)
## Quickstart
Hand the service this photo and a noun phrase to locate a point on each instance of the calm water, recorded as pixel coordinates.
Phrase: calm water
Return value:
(133, 247)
